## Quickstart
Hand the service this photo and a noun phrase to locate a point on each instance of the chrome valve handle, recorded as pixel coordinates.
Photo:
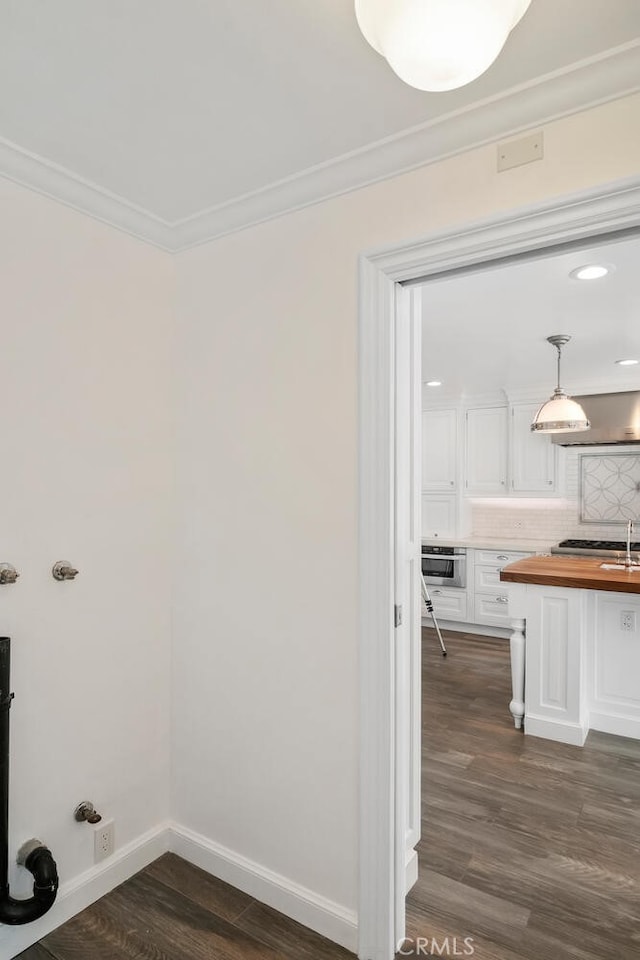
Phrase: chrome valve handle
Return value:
(8, 573)
(62, 570)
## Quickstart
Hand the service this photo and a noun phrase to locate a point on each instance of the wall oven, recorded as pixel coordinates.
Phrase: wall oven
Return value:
(444, 566)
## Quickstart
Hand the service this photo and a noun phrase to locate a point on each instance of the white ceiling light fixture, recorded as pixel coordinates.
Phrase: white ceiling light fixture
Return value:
(560, 414)
(627, 363)
(438, 45)
(592, 271)
(434, 383)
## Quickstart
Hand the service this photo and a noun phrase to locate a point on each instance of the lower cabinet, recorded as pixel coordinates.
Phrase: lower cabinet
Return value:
(485, 599)
(491, 596)
(449, 603)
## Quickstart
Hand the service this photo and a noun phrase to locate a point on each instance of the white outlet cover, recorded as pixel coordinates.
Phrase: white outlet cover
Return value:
(103, 840)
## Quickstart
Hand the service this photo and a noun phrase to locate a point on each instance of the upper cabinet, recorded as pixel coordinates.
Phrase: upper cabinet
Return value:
(439, 450)
(533, 456)
(486, 451)
(495, 455)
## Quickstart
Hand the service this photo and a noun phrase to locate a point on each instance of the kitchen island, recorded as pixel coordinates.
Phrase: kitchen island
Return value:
(575, 647)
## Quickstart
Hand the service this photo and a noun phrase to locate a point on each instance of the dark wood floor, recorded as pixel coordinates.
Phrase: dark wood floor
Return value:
(173, 911)
(530, 848)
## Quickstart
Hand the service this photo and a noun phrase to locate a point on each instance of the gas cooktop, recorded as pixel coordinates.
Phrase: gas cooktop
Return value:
(594, 548)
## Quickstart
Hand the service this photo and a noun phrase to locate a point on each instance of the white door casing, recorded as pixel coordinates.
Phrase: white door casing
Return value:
(408, 469)
(605, 210)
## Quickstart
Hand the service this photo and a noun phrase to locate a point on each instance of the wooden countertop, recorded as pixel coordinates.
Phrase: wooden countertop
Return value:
(584, 573)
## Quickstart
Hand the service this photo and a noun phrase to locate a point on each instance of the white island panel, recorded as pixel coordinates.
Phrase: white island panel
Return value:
(613, 687)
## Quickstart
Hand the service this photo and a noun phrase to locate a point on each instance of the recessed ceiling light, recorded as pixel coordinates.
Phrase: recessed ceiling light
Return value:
(434, 383)
(627, 363)
(591, 271)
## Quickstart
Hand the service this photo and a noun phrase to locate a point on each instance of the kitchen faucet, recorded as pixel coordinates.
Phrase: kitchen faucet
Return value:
(628, 562)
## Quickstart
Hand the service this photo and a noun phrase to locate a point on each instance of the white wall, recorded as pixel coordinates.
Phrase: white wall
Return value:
(265, 666)
(85, 413)
(265, 619)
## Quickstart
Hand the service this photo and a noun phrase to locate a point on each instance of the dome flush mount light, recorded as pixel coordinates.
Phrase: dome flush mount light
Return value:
(437, 45)
(627, 363)
(434, 383)
(560, 414)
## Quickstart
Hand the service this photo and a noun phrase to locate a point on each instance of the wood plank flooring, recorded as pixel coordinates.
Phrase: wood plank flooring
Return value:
(530, 848)
(174, 911)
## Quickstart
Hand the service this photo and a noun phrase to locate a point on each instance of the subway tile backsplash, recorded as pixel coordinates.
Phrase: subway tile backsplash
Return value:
(545, 519)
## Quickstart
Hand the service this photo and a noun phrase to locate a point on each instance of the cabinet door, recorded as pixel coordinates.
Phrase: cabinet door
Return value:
(533, 456)
(487, 451)
(438, 516)
(439, 449)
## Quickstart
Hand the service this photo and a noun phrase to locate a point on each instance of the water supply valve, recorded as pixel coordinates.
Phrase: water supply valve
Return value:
(62, 570)
(8, 573)
(86, 812)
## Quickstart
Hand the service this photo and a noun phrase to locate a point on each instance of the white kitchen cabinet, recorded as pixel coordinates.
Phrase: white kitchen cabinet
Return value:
(533, 456)
(449, 603)
(486, 451)
(491, 596)
(438, 515)
(439, 450)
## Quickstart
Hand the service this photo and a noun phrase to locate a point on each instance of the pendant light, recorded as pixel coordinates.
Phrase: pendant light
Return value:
(438, 45)
(560, 414)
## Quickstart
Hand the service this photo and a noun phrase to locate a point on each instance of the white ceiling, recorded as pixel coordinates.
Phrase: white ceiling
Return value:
(486, 331)
(183, 119)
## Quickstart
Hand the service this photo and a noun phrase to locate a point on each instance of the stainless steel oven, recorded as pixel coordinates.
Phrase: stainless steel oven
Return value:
(444, 566)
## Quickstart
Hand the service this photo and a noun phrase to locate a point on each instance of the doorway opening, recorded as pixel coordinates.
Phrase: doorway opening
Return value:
(385, 764)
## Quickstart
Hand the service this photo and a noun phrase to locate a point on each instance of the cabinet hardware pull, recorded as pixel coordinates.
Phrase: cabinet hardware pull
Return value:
(502, 599)
(502, 556)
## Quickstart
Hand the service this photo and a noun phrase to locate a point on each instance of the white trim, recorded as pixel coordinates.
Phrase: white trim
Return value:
(63, 185)
(594, 214)
(619, 726)
(574, 734)
(411, 870)
(307, 907)
(579, 86)
(609, 75)
(479, 629)
(85, 889)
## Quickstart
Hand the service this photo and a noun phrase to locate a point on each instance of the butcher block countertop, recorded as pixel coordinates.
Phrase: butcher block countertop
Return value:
(585, 573)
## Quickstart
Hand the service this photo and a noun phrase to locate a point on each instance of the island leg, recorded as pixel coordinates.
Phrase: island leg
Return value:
(517, 671)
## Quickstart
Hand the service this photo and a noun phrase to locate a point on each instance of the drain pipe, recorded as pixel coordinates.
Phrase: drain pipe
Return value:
(33, 854)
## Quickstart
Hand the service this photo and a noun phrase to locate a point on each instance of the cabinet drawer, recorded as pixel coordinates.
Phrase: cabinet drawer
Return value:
(448, 603)
(499, 558)
(487, 579)
(492, 608)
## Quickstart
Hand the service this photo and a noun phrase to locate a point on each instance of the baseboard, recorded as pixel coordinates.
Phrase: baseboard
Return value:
(299, 903)
(574, 734)
(411, 870)
(617, 725)
(481, 629)
(86, 888)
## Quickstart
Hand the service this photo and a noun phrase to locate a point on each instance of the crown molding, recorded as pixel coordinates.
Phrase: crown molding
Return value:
(56, 182)
(587, 83)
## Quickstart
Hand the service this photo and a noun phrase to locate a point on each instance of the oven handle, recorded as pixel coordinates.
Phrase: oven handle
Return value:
(440, 556)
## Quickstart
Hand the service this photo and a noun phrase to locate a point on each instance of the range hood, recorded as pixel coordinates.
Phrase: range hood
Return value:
(614, 418)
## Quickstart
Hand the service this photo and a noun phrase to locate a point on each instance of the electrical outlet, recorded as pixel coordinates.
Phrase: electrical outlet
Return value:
(103, 840)
(628, 621)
